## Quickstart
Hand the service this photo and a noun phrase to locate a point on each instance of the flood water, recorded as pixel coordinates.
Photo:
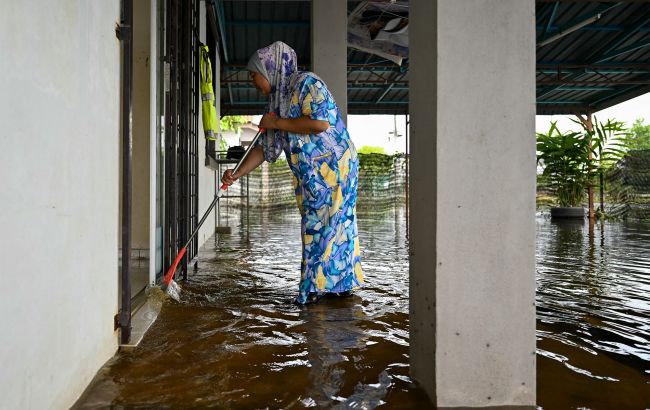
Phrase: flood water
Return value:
(593, 315)
(236, 340)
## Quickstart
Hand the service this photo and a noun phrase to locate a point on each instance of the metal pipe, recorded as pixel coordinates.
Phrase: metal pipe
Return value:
(569, 30)
(126, 37)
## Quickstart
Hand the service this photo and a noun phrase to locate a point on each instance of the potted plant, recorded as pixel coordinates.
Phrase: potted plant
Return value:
(572, 160)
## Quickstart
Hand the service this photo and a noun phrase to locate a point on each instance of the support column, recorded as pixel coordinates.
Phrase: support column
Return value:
(329, 49)
(141, 123)
(472, 196)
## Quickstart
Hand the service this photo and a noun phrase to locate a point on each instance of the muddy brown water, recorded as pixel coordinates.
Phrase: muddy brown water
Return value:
(236, 341)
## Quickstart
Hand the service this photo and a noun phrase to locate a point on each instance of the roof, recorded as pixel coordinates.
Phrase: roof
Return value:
(590, 55)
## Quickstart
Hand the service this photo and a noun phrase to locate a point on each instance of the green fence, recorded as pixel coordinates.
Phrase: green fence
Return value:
(382, 184)
(626, 188)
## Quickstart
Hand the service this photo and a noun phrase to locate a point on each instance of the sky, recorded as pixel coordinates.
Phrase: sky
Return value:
(375, 129)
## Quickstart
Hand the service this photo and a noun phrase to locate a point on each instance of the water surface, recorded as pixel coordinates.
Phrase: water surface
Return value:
(593, 315)
(237, 341)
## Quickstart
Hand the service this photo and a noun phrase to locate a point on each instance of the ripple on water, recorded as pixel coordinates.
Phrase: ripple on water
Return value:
(593, 313)
(237, 341)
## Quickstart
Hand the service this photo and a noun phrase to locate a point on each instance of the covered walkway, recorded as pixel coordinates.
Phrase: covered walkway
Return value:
(472, 83)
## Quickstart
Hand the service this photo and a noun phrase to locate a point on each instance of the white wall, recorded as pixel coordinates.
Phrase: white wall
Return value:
(59, 111)
(206, 175)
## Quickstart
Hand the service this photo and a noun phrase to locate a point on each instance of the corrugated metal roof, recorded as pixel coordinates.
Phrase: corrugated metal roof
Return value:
(598, 54)
(606, 60)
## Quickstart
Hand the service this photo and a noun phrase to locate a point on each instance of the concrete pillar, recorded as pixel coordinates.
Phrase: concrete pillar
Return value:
(472, 272)
(141, 124)
(329, 48)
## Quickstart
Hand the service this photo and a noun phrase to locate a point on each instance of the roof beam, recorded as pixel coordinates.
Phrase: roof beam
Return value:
(583, 88)
(560, 102)
(620, 39)
(625, 50)
(543, 109)
(218, 8)
(612, 95)
(278, 23)
(578, 75)
(577, 24)
(610, 28)
(550, 20)
(390, 87)
(611, 51)
(587, 71)
(569, 82)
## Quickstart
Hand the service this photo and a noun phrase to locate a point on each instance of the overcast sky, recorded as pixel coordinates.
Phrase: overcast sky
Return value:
(374, 129)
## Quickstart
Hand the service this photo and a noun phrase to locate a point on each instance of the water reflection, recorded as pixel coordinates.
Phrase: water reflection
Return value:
(593, 312)
(237, 341)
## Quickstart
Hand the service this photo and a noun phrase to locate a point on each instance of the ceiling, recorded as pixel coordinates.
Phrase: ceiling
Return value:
(590, 55)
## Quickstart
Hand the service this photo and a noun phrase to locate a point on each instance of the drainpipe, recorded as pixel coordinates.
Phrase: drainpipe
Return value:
(125, 34)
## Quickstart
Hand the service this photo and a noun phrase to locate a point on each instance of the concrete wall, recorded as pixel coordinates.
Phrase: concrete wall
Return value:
(141, 124)
(472, 86)
(59, 112)
(207, 184)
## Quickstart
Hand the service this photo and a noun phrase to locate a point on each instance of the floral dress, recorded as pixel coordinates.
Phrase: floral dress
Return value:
(325, 175)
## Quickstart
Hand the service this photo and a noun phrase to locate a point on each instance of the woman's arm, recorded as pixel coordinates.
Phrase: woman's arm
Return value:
(300, 125)
(252, 161)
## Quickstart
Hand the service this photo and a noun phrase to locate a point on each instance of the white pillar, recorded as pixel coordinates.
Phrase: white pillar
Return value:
(472, 272)
(329, 22)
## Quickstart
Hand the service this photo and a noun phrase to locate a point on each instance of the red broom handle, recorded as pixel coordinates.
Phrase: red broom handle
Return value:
(172, 269)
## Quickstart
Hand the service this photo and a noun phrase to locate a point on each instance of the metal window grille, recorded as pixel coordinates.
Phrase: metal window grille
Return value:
(181, 128)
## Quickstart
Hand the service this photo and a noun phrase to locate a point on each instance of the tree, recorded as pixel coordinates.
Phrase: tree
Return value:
(371, 149)
(639, 136)
(571, 160)
(230, 123)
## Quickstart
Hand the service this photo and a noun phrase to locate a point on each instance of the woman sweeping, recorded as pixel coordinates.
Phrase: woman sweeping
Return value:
(304, 122)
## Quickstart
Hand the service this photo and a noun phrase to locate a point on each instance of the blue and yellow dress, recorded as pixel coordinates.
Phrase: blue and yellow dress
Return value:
(325, 175)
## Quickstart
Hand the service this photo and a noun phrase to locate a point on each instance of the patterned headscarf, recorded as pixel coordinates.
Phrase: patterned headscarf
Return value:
(280, 63)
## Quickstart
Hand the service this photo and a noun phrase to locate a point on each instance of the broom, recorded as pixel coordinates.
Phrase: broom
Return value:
(169, 284)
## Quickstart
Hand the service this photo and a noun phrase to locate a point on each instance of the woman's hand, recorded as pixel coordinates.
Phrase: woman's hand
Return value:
(269, 121)
(228, 178)
(253, 160)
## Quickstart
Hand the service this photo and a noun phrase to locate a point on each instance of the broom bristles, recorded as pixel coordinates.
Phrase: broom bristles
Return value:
(174, 290)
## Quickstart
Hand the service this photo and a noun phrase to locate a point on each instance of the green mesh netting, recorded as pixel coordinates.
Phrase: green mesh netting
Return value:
(382, 184)
(626, 188)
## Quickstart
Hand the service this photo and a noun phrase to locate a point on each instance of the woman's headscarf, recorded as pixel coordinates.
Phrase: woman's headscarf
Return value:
(277, 63)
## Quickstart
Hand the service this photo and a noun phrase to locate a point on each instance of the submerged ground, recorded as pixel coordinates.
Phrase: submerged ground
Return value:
(236, 341)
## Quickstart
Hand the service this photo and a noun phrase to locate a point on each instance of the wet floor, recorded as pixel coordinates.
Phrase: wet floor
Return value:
(593, 315)
(236, 341)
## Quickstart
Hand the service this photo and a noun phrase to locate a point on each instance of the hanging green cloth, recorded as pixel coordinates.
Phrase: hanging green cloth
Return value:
(210, 120)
